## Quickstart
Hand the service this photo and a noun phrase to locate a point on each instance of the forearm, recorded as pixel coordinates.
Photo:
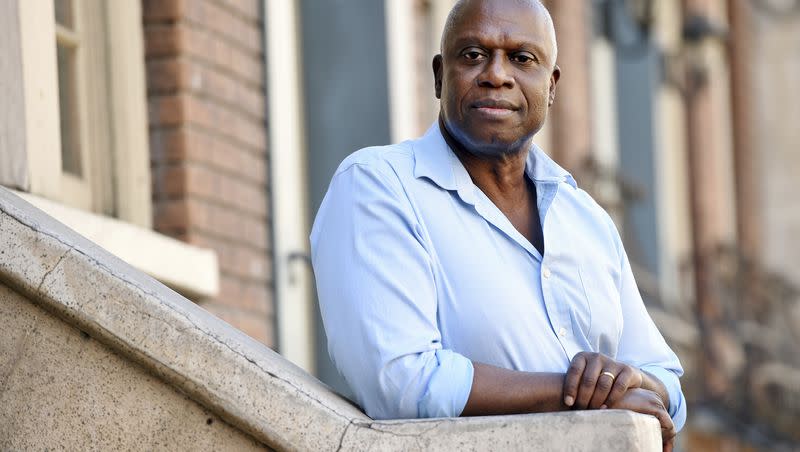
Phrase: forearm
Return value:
(502, 391)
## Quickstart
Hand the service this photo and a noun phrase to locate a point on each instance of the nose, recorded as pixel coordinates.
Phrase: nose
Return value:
(496, 73)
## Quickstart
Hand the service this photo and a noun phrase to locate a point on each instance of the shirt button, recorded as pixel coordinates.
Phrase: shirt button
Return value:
(546, 273)
(562, 332)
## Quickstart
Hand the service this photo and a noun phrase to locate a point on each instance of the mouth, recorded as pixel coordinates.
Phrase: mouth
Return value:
(494, 107)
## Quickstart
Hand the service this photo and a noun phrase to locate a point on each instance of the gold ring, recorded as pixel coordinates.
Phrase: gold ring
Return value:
(613, 377)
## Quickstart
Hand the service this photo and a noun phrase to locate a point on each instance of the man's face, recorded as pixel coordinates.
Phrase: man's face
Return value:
(496, 76)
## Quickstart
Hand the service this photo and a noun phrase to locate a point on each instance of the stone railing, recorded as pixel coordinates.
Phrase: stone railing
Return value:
(96, 355)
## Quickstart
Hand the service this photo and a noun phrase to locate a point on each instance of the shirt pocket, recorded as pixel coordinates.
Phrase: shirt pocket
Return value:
(603, 298)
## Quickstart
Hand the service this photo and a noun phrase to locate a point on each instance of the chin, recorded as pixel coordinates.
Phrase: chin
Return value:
(497, 146)
(488, 142)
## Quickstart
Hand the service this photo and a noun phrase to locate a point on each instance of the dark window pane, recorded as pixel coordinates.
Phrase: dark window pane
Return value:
(67, 102)
(63, 12)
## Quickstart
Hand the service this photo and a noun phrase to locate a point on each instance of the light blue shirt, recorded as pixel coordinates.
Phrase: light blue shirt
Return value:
(419, 274)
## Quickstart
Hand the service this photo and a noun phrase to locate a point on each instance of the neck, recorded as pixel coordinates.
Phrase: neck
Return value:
(500, 174)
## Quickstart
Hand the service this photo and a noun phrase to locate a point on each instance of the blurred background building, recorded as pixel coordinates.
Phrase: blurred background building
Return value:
(196, 138)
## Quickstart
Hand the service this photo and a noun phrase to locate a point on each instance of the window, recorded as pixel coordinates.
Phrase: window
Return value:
(84, 96)
(81, 128)
(73, 130)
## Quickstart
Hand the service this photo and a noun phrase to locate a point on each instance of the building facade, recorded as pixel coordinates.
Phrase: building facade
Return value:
(196, 138)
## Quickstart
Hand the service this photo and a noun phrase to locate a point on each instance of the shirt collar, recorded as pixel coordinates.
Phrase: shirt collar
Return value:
(433, 159)
(541, 168)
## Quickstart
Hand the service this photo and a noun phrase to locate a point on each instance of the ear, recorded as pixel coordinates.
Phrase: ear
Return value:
(437, 75)
(553, 82)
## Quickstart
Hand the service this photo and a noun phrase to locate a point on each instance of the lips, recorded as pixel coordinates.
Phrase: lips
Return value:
(494, 104)
(494, 109)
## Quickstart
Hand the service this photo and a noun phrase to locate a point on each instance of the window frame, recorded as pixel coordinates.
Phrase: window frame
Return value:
(126, 186)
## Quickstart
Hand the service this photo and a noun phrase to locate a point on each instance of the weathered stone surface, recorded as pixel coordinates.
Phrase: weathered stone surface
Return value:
(60, 389)
(576, 431)
(234, 376)
(157, 365)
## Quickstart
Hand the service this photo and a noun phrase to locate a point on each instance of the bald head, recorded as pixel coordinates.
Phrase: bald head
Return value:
(462, 6)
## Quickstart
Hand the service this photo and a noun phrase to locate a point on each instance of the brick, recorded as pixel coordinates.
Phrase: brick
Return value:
(170, 215)
(207, 183)
(234, 159)
(204, 147)
(220, 85)
(167, 110)
(247, 9)
(178, 109)
(238, 260)
(246, 295)
(259, 327)
(162, 10)
(223, 121)
(226, 24)
(208, 139)
(170, 181)
(164, 40)
(204, 46)
(165, 76)
(167, 145)
(226, 223)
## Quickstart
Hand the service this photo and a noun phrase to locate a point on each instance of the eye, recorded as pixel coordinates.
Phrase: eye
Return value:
(523, 58)
(472, 54)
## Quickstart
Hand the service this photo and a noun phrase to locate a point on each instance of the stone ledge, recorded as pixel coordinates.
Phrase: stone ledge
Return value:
(191, 270)
(240, 380)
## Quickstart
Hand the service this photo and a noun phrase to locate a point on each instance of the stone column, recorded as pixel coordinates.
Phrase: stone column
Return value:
(746, 169)
(570, 116)
(704, 198)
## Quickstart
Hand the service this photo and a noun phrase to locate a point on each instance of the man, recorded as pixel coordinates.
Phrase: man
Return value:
(464, 273)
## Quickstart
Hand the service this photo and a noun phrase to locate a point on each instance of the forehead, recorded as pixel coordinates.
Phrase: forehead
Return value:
(501, 22)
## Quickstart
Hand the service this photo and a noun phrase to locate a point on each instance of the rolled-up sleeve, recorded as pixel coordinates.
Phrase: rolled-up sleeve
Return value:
(642, 345)
(378, 301)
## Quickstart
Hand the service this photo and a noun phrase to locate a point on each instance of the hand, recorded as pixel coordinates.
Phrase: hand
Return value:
(649, 402)
(587, 385)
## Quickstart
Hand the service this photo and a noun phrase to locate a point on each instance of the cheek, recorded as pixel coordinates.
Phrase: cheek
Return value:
(538, 98)
(452, 100)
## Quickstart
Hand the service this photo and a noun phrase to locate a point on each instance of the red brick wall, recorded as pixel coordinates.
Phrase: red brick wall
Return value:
(208, 144)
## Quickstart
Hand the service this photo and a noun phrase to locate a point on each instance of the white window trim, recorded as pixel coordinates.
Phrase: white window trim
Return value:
(128, 107)
(188, 269)
(129, 112)
(399, 17)
(293, 278)
(40, 81)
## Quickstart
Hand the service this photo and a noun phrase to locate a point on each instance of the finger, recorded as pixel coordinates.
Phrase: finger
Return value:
(573, 378)
(604, 384)
(668, 445)
(588, 382)
(622, 383)
(667, 427)
(638, 378)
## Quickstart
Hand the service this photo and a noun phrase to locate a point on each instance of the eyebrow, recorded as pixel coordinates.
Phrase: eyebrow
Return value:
(516, 44)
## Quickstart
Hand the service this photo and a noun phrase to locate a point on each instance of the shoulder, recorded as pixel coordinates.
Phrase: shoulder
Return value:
(392, 161)
(373, 173)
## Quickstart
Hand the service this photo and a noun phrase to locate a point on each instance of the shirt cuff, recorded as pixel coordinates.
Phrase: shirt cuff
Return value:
(677, 403)
(449, 386)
